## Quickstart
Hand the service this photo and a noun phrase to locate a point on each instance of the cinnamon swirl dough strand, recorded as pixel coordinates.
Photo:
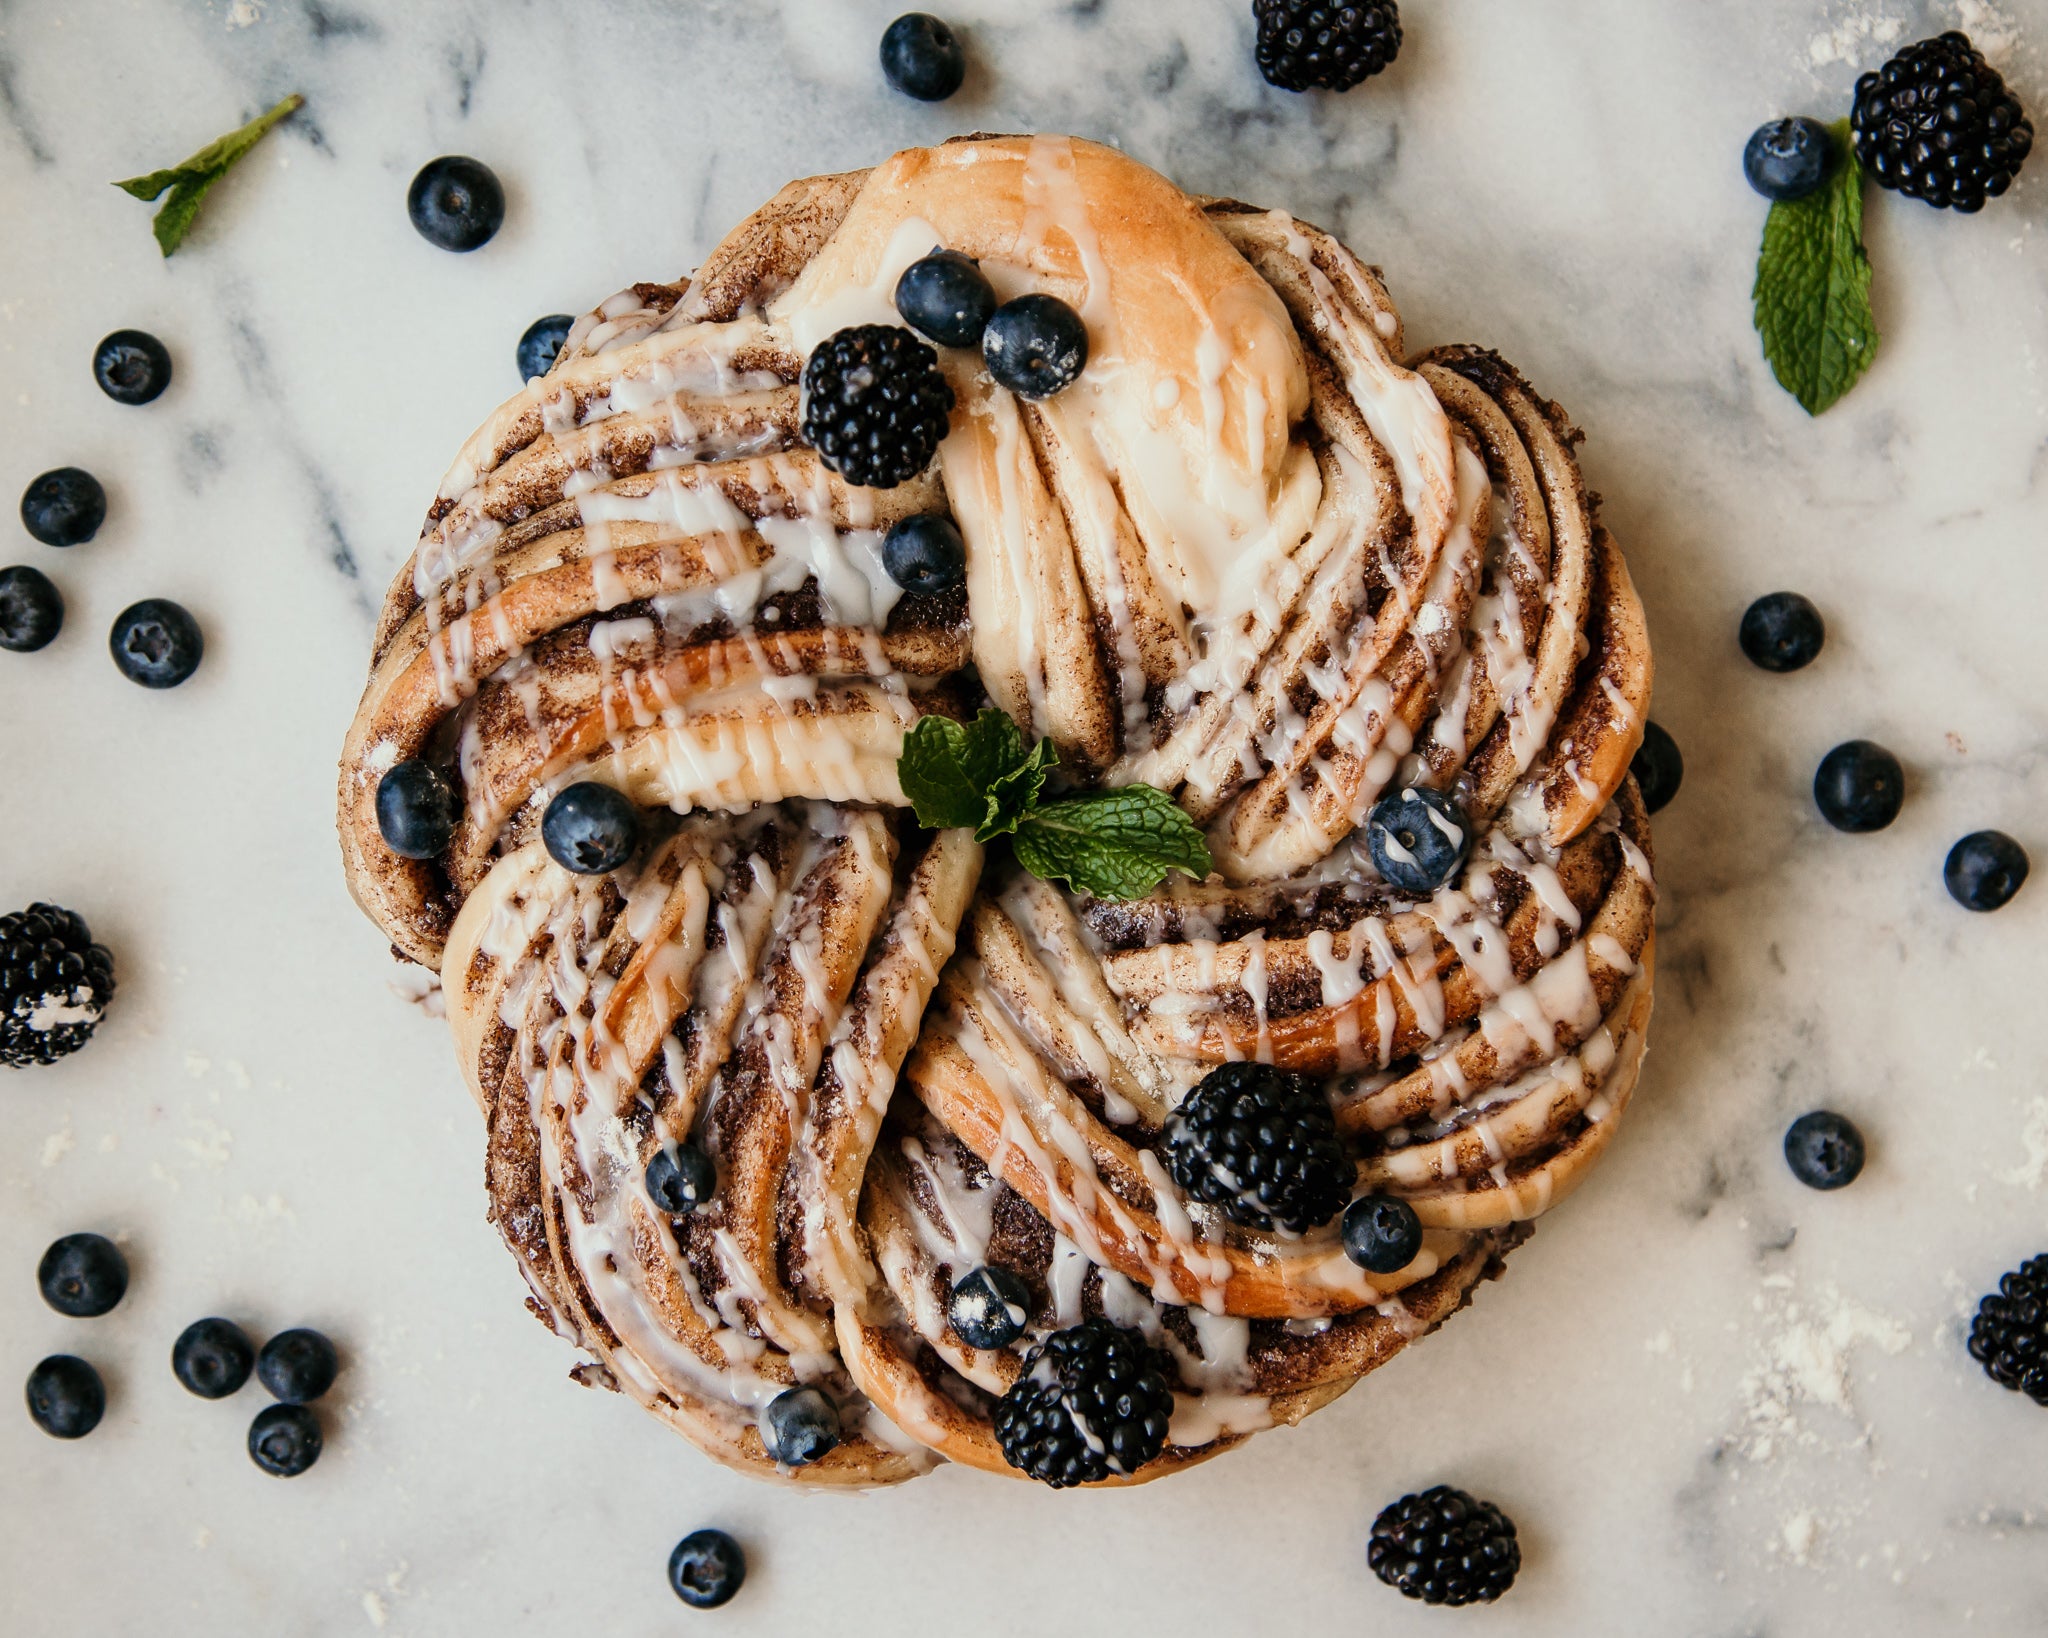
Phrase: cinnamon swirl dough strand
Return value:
(1255, 556)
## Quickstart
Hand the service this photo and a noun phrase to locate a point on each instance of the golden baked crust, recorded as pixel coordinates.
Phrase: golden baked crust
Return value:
(1251, 557)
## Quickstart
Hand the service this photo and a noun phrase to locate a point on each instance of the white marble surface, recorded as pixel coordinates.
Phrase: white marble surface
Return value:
(1718, 1404)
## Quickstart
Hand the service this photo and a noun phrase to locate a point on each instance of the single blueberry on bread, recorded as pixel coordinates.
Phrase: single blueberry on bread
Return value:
(132, 367)
(1418, 838)
(706, 1569)
(1261, 1146)
(1036, 345)
(1937, 123)
(875, 404)
(680, 1180)
(1445, 1546)
(946, 298)
(542, 343)
(64, 507)
(417, 809)
(1091, 1402)
(990, 1307)
(1381, 1233)
(800, 1426)
(925, 554)
(55, 983)
(591, 829)
(83, 1275)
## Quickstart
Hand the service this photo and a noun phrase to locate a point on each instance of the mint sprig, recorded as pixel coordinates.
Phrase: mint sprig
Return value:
(1812, 290)
(1112, 844)
(188, 183)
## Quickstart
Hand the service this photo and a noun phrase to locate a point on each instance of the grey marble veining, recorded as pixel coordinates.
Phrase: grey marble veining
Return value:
(1717, 1404)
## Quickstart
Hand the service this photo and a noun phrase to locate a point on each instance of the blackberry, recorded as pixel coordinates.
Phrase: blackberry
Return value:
(1092, 1401)
(54, 985)
(1304, 43)
(1445, 1547)
(1937, 123)
(875, 404)
(2009, 1337)
(1262, 1146)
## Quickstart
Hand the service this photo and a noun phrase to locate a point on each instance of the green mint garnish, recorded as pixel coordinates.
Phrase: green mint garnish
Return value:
(189, 182)
(1813, 286)
(1113, 844)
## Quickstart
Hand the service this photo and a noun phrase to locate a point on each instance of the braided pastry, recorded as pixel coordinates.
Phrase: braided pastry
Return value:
(1249, 557)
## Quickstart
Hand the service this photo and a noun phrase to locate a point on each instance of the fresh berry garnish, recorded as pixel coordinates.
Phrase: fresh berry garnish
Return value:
(1937, 123)
(922, 57)
(706, 1569)
(1313, 43)
(1418, 838)
(55, 984)
(131, 366)
(212, 1358)
(456, 203)
(925, 554)
(680, 1181)
(799, 1426)
(945, 298)
(64, 507)
(1036, 346)
(990, 1307)
(1381, 1233)
(875, 404)
(591, 828)
(1261, 1145)
(1859, 786)
(1091, 1401)
(1984, 870)
(297, 1366)
(2009, 1337)
(1445, 1547)
(31, 609)
(1658, 767)
(1824, 1150)
(1782, 632)
(83, 1275)
(416, 809)
(284, 1440)
(156, 643)
(1788, 158)
(541, 343)
(66, 1398)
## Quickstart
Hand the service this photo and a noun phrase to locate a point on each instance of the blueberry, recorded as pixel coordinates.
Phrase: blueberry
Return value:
(1859, 786)
(284, 1440)
(1418, 838)
(1782, 632)
(590, 828)
(1823, 1150)
(679, 1183)
(989, 1308)
(799, 1426)
(706, 1569)
(542, 341)
(66, 1398)
(1788, 158)
(416, 809)
(925, 554)
(1381, 1234)
(297, 1366)
(83, 1275)
(456, 203)
(922, 57)
(156, 643)
(944, 298)
(131, 366)
(1658, 767)
(31, 609)
(64, 507)
(1985, 869)
(212, 1358)
(1035, 345)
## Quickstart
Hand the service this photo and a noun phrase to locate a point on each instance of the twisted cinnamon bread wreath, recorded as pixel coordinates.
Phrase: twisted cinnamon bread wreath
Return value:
(1249, 557)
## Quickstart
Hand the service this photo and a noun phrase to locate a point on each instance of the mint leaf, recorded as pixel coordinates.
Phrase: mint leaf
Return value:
(1812, 295)
(1013, 795)
(975, 775)
(188, 183)
(932, 770)
(1115, 844)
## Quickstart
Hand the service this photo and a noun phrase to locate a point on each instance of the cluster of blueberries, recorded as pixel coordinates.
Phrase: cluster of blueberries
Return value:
(84, 1276)
(154, 642)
